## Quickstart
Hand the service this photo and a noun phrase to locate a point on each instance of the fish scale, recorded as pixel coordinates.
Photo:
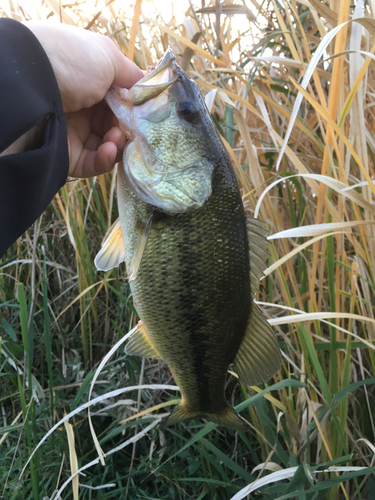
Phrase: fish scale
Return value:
(193, 257)
(196, 312)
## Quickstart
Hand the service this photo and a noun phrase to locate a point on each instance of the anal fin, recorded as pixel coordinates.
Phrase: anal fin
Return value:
(140, 343)
(179, 414)
(112, 252)
(258, 357)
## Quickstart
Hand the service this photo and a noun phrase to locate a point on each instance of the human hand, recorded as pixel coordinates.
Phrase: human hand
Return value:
(86, 65)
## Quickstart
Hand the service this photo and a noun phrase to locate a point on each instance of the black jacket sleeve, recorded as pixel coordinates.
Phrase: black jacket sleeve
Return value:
(28, 93)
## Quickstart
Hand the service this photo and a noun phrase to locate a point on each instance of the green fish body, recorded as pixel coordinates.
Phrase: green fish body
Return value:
(193, 257)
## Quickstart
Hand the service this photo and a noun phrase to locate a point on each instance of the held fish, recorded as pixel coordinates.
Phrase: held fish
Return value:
(193, 257)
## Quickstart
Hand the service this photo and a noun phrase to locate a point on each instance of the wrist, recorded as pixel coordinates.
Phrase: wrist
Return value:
(32, 139)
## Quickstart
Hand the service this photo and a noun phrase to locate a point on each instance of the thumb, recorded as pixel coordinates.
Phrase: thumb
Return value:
(126, 72)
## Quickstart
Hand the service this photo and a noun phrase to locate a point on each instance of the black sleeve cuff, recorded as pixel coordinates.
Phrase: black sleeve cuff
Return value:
(28, 92)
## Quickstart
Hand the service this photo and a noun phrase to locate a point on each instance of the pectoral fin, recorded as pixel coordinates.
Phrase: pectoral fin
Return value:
(112, 252)
(138, 254)
(140, 343)
(258, 357)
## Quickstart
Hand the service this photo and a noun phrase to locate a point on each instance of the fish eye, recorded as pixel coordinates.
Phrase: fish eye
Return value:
(188, 111)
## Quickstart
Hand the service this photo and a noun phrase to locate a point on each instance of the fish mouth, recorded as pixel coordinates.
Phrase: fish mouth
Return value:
(148, 89)
(155, 82)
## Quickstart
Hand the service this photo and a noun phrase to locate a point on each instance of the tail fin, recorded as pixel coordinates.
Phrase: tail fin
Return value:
(228, 417)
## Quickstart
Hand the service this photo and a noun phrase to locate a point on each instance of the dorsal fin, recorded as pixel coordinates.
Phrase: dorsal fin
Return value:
(258, 243)
(258, 357)
(112, 252)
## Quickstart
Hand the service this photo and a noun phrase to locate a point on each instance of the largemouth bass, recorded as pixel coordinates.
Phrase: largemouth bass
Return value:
(193, 258)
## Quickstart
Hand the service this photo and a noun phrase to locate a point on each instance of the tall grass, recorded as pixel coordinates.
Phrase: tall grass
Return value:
(303, 151)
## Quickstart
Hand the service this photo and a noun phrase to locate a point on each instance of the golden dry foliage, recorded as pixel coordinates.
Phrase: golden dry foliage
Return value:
(290, 85)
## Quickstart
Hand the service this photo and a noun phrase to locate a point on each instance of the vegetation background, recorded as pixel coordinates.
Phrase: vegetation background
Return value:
(306, 166)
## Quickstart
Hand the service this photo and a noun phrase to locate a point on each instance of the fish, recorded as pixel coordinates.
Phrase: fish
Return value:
(193, 257)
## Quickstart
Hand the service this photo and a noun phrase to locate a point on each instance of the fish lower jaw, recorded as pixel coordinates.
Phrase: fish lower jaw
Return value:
(164, 195)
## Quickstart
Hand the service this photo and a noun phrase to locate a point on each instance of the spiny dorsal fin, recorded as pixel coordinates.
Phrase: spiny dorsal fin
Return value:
(257, 226)
(112, 252)
(257, 251)
(258, 357)
(140, 343)
(261, 253)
